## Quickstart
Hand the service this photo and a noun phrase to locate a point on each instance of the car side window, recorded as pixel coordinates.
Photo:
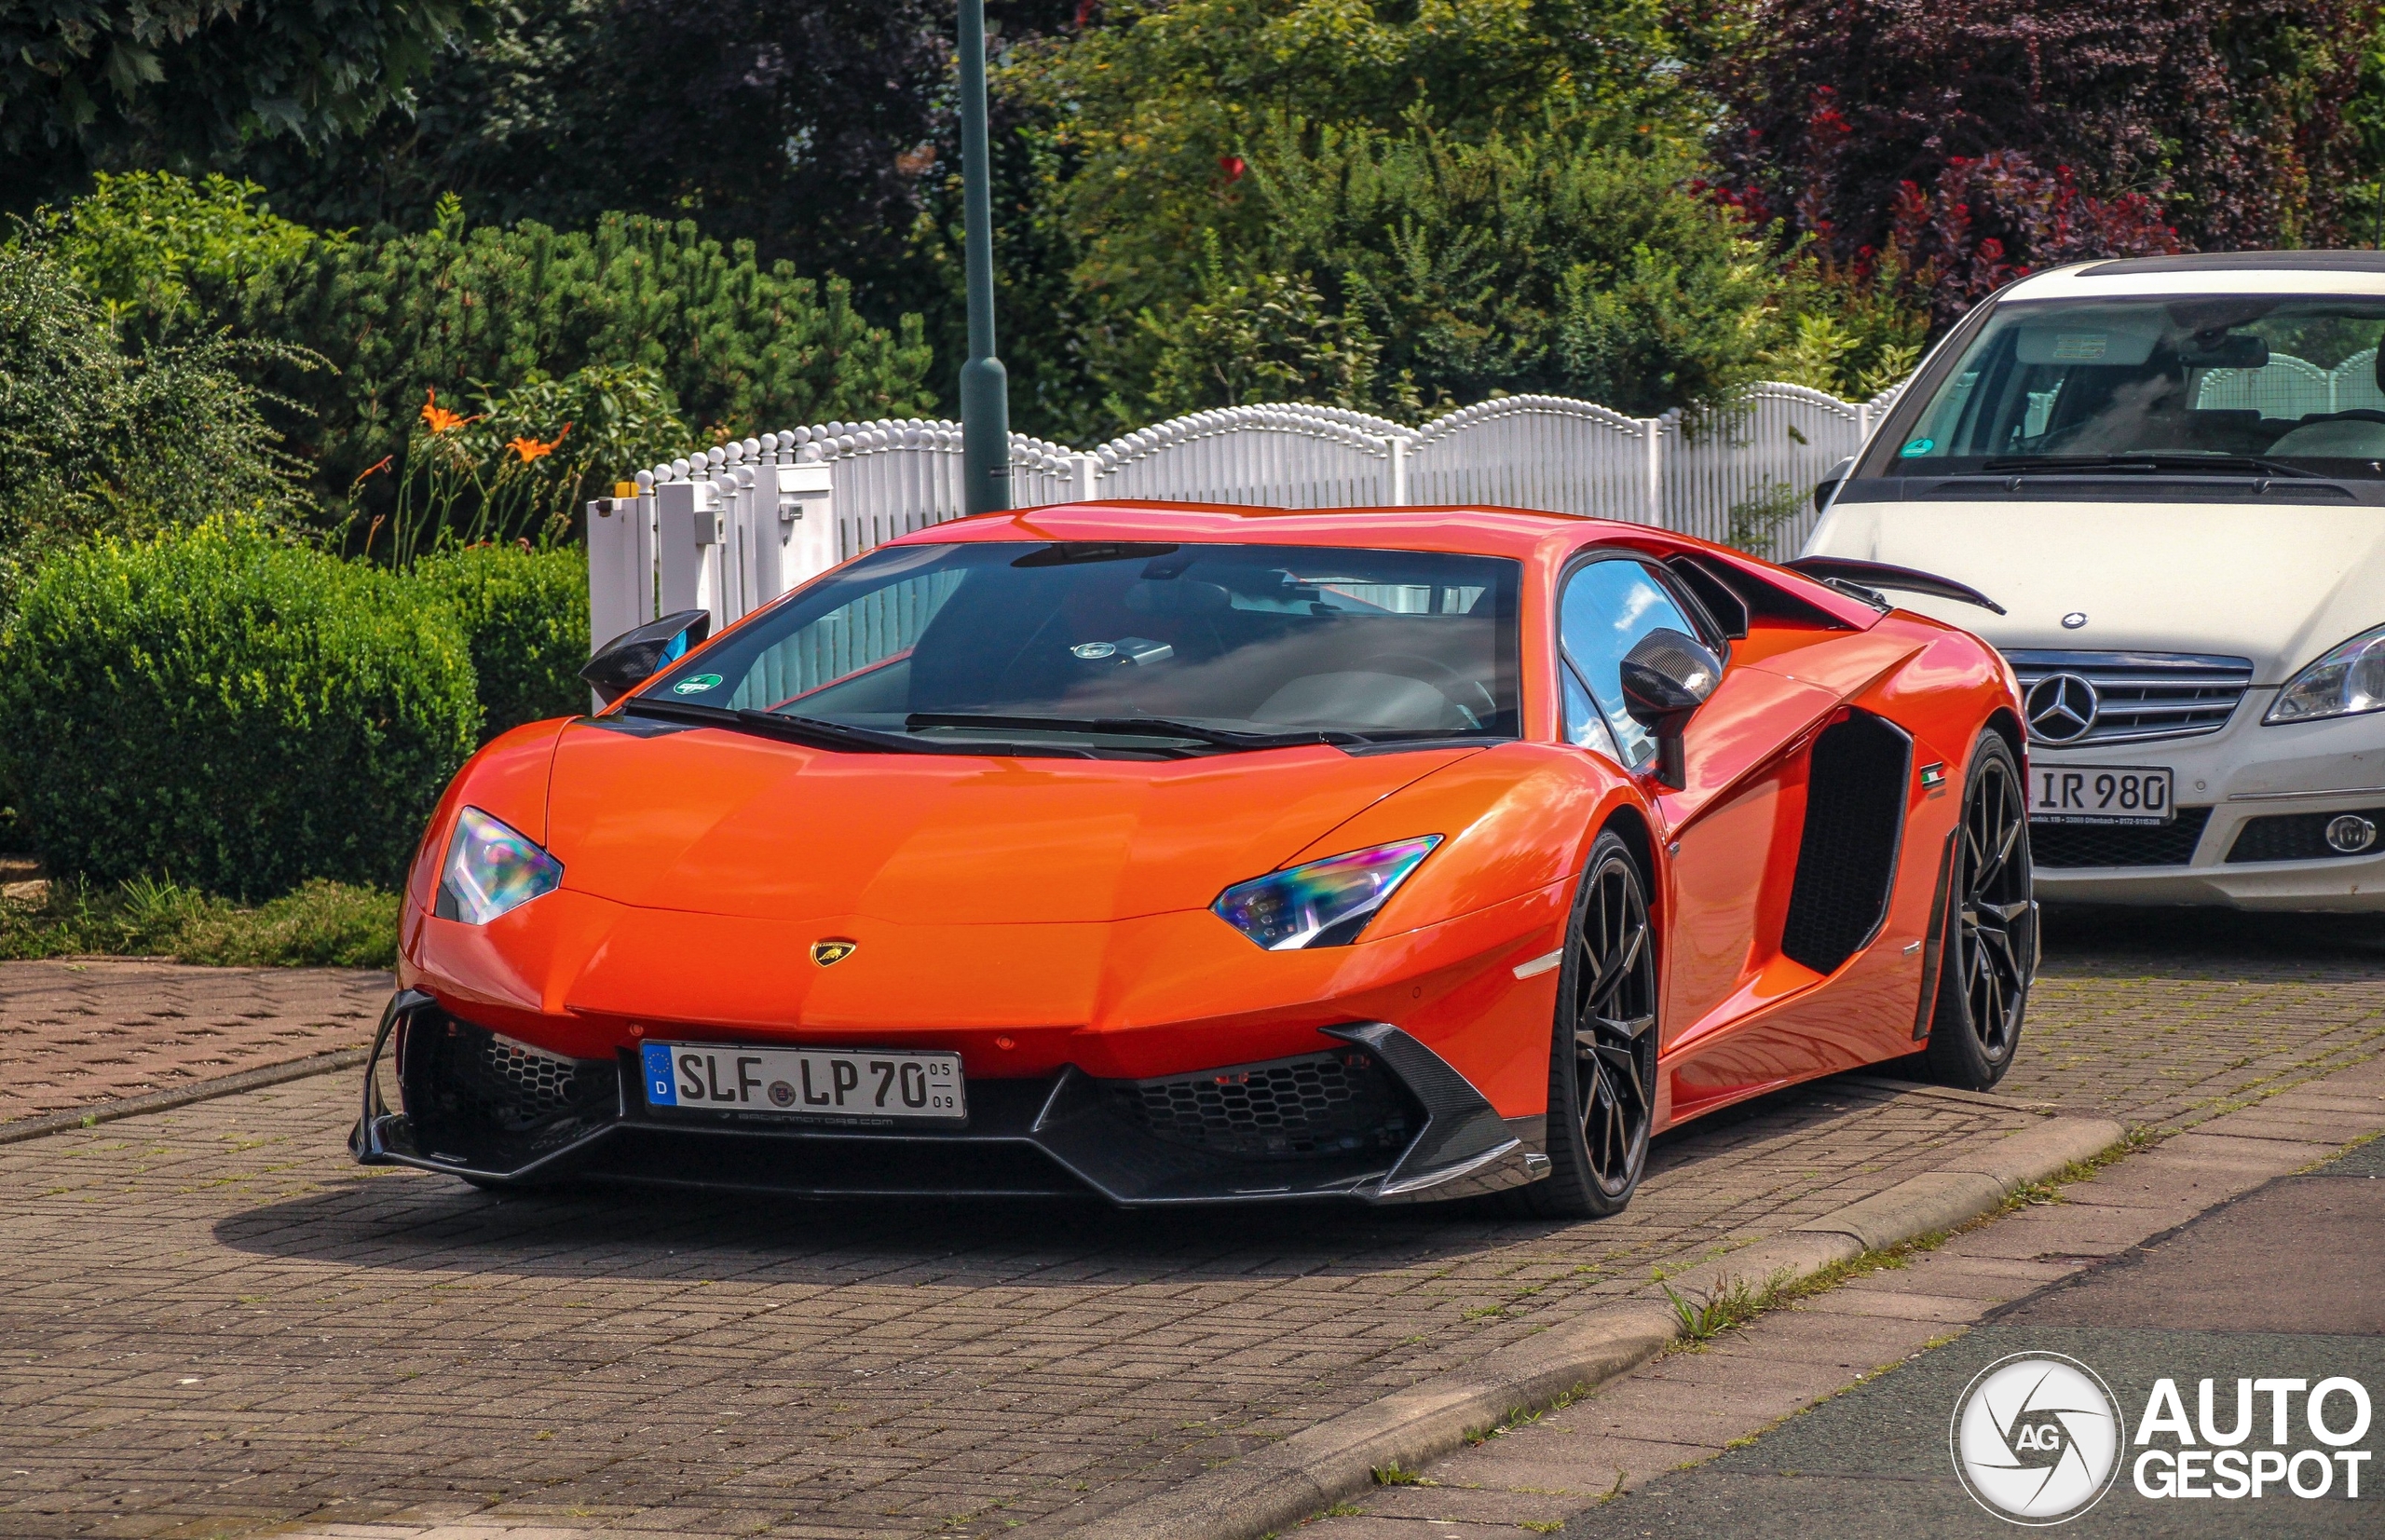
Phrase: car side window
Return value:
(1585, 724)
(1606, 608)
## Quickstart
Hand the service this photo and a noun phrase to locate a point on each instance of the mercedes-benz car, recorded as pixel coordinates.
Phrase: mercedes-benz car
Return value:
(2170, 474)
(1203, 855)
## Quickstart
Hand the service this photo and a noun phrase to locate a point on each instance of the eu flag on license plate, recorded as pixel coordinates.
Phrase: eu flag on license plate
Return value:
(661, 1084)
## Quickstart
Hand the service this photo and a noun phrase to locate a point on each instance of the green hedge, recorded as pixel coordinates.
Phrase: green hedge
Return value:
(230, 711)
(524, 615)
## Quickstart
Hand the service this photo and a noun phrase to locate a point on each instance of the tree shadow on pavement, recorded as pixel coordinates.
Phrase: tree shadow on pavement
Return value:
(2207, 943)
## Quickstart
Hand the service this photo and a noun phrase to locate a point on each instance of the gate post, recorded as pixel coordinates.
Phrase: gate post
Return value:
(688, 532)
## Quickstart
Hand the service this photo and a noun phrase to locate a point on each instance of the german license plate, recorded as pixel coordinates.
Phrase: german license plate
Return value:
(2100, 793)
(847, 1085)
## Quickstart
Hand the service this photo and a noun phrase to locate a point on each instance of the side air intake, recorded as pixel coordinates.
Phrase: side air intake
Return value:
(1846, 861)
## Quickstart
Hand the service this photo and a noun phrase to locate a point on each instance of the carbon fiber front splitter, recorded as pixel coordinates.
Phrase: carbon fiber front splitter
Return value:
(535, 1118)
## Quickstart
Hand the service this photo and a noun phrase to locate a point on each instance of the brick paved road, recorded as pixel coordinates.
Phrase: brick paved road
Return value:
(74, 1033)
(209, 1323)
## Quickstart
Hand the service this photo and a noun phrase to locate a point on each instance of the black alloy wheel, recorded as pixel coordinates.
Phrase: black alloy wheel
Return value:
(1990, 935)
(1602, 1046)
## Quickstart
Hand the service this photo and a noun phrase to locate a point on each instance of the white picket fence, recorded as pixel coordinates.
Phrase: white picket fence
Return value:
(731, 528)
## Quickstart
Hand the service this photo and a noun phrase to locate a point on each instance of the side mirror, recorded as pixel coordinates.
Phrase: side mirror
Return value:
(1667, 675)
(1829, 484)
(637, 654)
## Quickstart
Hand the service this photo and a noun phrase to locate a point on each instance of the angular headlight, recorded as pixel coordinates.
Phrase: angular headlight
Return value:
(2346, 681)
(1325, 903)
(491, 868)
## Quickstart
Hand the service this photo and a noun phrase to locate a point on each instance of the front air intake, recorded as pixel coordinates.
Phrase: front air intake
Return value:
(1846, 859)
(472, 1092)
(1319, 1104)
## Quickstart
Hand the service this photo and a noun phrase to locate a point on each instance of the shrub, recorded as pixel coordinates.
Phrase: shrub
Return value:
(524, 615)
(738, 345)
(239, 714)
(1548, 260)
(137, 242)
(95, 438)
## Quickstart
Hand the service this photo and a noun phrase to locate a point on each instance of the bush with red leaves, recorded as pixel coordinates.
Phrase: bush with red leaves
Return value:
(2228, 115)
(1987, 221)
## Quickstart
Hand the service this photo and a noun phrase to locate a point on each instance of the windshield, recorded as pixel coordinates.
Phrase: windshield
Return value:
(2252, 384)
(1105, 647)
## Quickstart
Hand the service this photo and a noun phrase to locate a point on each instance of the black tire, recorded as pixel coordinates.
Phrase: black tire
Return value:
(1989, 945)
(1603, 1045)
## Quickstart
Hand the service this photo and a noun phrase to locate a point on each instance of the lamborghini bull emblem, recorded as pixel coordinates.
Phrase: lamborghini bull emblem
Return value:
(833, 951)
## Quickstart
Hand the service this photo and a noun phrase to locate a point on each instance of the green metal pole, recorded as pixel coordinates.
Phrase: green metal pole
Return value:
(984, 387)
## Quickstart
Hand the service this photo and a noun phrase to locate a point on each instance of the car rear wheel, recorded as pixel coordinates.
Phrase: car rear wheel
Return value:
(1602, 1046)
(1990, 929)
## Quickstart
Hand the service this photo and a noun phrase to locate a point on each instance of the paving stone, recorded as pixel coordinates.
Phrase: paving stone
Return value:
(383, 1349)
(106, 1028)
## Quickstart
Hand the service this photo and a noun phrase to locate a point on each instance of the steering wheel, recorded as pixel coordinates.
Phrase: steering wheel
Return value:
(1442, 678)
(2353, 413)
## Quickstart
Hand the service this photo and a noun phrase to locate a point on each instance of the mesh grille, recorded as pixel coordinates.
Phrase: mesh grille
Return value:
(523, 1084)
(1846, 858)
(2141, 696)
(468, 1089)
(2171, 844)
(2296, 837)
(1321, 1104)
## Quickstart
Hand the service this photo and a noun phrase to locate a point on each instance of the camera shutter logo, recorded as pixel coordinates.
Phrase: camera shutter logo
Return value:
(2036, 1438)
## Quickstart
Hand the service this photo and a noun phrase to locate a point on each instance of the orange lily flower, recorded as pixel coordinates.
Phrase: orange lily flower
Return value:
(531, 449)
(439, 417)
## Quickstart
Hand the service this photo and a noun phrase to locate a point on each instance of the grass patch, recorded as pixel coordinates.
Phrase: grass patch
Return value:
(1734, 1304)
(1396, 1475)
(323, 924)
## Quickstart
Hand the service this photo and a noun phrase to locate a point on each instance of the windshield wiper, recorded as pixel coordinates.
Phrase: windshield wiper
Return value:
(811, 731)
(1143, 727)
(2154, 461)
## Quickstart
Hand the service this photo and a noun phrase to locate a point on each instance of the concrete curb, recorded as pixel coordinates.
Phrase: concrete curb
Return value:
(181, 1095)
(1275, 1488)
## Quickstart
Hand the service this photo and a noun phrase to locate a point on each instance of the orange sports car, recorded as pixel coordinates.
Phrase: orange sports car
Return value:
(1185, 853)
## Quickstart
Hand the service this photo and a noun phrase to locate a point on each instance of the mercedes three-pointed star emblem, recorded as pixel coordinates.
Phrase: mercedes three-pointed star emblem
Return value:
(2061, 708)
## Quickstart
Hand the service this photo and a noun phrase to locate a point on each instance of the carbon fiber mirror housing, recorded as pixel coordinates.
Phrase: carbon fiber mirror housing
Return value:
(1667, 675)
(633, 657)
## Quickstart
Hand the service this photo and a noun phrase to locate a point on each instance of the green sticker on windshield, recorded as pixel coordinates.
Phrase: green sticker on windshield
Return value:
(1919, 446)
(696, 684)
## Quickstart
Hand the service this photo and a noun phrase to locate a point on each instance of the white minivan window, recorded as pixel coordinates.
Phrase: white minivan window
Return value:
(2257, 384)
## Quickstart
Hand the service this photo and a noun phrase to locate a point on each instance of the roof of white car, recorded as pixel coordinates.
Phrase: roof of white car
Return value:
(2209, 273)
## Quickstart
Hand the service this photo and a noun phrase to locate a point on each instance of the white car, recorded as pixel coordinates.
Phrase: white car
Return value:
(2170, 474)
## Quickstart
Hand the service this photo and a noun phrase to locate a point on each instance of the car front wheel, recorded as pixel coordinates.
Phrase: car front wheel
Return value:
(1602, 1046)
(1989, 938)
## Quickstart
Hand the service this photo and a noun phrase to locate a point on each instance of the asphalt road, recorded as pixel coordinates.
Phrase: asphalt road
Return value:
(2286, 1282)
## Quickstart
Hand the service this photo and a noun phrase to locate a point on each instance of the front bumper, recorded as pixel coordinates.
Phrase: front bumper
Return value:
(2238, 782)
(1395, 1124)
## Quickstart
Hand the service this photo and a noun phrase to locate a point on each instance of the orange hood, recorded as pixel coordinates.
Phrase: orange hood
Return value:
(719, 822)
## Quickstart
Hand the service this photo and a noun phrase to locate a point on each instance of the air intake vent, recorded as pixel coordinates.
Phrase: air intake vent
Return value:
(1320, 1104)
(1846, 861)
(2303, 836)
(468, 1089)
(2171, 844)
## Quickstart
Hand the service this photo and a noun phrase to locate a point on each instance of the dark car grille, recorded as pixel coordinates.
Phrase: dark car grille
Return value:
(2171, 844)
(469, 1087)
(1318, 1104)
(2140, 696)
(2296, 837)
